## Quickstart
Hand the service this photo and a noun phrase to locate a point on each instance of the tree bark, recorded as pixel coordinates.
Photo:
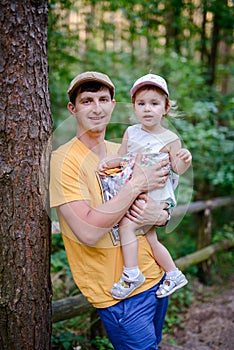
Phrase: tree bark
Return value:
(25, 133)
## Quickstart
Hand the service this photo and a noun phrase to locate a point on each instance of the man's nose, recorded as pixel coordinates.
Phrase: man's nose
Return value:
(97, 107)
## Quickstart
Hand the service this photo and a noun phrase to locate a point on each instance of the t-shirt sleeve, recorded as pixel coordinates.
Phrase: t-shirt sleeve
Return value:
(67, 181)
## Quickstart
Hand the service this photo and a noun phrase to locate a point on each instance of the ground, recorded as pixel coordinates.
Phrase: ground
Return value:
(209, 321)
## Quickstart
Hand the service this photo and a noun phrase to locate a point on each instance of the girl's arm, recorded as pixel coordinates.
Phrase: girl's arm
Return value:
(124, 145)
(180, 158)
(113, 161)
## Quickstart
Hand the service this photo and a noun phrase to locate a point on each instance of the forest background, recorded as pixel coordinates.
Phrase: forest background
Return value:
(189, 43)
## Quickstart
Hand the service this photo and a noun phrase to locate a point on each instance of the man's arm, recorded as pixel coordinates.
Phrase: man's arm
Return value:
(90, 224)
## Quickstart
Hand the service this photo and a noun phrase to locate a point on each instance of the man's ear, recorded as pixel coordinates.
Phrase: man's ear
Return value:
(71, 108)
(113, 103)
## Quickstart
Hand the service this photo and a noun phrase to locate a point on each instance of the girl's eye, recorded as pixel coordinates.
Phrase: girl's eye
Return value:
(141, 104)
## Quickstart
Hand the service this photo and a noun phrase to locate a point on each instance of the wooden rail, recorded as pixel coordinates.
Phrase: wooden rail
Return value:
(70, 307)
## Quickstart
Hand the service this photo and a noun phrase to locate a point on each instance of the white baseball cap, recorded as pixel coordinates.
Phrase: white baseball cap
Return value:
(150, 79)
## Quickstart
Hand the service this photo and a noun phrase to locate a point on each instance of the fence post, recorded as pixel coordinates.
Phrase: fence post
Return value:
(204, 240)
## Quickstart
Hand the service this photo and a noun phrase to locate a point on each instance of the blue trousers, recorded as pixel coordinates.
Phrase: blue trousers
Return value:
(136, 323)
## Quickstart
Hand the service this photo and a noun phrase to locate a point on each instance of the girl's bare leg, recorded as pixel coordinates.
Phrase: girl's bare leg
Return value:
(132, 277)
(161, 254)
(175, 279)
(129, 243)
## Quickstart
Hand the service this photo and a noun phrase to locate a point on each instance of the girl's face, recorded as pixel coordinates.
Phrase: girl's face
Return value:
(150, 106)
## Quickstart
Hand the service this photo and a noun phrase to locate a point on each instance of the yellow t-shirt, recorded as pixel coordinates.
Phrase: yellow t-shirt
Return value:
(94, 269)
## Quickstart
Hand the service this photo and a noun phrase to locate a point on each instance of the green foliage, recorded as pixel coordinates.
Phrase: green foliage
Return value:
(75, 334)
(58, 261)
(227, 232)
(212, 149)
(223, 261)
(102, 343)
(178, 304)
(62, 281)
(70, 334)
(63, 339)
(172, 48)
(182, 234)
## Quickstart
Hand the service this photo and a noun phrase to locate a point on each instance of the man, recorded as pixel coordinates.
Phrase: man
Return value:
(93, 251)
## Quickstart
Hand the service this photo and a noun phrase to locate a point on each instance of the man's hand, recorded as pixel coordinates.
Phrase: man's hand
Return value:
(145, 211)
(147, 178)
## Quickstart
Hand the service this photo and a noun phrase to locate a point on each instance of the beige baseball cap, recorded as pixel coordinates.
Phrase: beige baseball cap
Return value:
(87, 77)
(150, 79)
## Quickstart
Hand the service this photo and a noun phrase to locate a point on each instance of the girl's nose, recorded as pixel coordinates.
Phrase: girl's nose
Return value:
(147, 107)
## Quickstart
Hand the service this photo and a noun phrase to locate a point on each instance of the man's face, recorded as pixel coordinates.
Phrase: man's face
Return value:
(92, 110)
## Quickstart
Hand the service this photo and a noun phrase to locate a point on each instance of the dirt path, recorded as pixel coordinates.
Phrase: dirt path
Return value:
(209, 322)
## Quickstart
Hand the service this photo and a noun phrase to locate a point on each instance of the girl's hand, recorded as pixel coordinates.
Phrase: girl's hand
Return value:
(102, 167)
(107, 163)
(184, 155)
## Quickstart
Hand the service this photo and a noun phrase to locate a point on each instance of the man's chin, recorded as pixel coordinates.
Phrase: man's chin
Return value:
(98, 129)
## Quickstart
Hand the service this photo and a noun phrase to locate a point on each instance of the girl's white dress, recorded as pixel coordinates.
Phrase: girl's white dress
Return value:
(150, 145)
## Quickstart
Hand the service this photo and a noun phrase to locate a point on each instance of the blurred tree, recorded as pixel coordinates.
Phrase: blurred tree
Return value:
(63, 43)
(216, 33)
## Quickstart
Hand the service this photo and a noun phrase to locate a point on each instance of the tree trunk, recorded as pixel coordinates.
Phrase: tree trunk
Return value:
(214, 49)
(203, 49)
(25, 132)
(172, 24)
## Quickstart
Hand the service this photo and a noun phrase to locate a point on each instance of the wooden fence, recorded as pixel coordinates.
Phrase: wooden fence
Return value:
(73, 306)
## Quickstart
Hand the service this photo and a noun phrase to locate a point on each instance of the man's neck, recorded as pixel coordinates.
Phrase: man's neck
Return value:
(95, 143)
